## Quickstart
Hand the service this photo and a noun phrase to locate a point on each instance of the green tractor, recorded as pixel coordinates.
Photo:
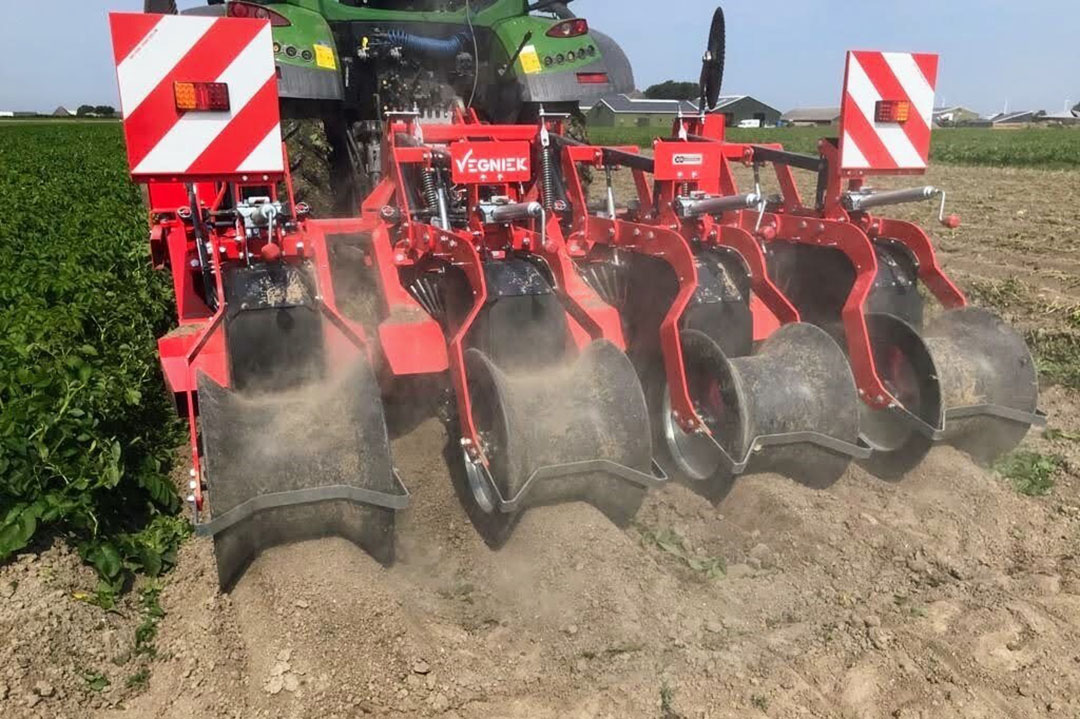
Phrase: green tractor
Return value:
(343, 63)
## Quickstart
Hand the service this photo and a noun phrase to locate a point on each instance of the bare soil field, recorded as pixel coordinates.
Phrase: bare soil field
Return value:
(946, 594)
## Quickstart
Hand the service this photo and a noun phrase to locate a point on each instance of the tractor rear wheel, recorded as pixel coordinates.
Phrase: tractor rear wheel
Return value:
(334, 162)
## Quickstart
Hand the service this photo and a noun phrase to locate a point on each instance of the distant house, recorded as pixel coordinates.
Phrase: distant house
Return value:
(63, 112)
(955, 115)
(627, 111)
(812, 116)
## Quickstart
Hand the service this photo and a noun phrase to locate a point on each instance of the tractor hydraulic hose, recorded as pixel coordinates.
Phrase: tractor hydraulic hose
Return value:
(429, 47)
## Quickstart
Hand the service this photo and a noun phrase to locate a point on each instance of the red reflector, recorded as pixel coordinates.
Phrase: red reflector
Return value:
(592, 78)
(246, 9)
(575, 27)
(892, 111)
(201, 96)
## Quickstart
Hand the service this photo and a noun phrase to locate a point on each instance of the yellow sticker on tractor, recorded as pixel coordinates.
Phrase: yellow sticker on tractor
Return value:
(530, 60)
(324, 57)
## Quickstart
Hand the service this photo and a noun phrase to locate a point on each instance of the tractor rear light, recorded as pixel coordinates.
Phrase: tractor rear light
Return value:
(201, 96)
(592, 78)
(575, 27)
(892, 111)
(240, 9)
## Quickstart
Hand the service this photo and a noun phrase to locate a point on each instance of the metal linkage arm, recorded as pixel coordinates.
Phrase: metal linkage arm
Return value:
(692, 207)
(858, 201)
(813, 163)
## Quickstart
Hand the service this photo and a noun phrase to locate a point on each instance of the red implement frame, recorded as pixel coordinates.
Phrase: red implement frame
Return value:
(412, 241)
(661, 234)
(828, 224)
(198, 344)
(698, 158)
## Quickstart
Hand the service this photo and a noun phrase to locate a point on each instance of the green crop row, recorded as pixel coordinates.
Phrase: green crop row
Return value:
(1052, 148)
(86, 429)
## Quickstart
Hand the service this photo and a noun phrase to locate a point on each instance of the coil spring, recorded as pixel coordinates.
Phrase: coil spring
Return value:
(431, 193)
(547, 176)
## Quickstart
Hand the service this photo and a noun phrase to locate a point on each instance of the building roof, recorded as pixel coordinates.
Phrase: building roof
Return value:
(1063, 115)
(812, 114)
(946, 109)
(642, 106)
(62, 112)
(1017, 116)
(622, 103)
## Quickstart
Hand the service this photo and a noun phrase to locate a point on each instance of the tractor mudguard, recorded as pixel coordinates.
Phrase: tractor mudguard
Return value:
(305, 52)
(592, 66)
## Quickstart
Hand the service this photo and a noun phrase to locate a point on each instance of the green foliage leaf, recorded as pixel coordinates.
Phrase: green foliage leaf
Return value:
(1030, 473)
(96, 681)
(86, 429)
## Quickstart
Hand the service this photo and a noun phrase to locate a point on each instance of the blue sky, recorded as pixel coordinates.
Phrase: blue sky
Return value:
(786, 53)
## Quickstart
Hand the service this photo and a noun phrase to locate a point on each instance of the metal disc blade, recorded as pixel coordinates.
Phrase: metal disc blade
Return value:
(589, 409)
(295, 465)
(798, 382)
(985, 363)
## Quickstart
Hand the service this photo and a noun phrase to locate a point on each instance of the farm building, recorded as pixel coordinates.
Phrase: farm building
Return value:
(1064, 117)
(63, 112)
(1020, 117)
(812, 116)
(744, 108)
(626, 111)
(955, 115)
(7, 113)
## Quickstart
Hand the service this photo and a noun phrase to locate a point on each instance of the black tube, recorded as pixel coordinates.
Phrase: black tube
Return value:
(429, 47)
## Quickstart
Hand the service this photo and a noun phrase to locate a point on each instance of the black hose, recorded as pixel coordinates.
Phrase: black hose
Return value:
(429, 47)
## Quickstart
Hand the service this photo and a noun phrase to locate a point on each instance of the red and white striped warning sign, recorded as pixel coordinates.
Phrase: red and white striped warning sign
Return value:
(887, 111)
(199, 95)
